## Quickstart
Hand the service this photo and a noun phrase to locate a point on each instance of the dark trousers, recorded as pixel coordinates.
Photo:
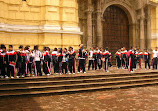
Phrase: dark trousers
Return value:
(91, 62)
(99, 63)
(22, 68)
(155, 63)
(29, 67)
(106, 64)
(55, 66)
(3, 70)
(95, 63)
(38, 68)
(72, 65)
(118, 62)
(81, 65)
(60, 67)
(45, 68)
(147, 63)
(131, 64)
(10, 70)
(64, 67)
(122, 62)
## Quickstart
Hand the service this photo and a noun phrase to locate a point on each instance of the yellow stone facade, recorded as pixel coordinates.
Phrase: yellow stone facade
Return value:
(154, 24)
(52, 23)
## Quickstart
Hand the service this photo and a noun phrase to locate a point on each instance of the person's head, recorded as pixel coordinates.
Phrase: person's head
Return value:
(101, 49)
(97, 48)
(44, 48)
(155, 48)
(107, 48)
(59, 49)
(65, 49)
(55, 49)
(92, 48)
(2, 45)
(124, 48)
(70, 48)
(4, 49)
(146, 50)
(10, 47)
(21, 47)
(36, 47)
(48, 49)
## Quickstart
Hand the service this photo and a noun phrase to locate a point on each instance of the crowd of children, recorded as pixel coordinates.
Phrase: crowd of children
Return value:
(63, 61)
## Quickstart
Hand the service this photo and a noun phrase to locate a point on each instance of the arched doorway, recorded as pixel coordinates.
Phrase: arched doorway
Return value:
(115, 28)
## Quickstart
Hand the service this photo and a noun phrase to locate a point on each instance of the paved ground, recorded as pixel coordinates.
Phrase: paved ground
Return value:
(136, 99)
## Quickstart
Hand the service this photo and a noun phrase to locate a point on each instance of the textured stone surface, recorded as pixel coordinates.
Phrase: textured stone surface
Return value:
(136, 99)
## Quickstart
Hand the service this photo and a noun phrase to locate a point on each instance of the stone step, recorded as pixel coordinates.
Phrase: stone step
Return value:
(75, 81)
(76, 85)
(71, 77)
(67, 91)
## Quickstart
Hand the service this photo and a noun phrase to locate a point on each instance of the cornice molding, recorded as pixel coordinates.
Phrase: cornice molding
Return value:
(40, 29)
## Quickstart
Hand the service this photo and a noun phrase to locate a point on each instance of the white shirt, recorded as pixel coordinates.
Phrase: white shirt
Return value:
(155, 54)
(37, 55)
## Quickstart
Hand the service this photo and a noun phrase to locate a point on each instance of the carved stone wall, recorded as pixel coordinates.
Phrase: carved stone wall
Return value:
(91, 17)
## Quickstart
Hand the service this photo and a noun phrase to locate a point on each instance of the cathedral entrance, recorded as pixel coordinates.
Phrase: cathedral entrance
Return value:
(115, 28)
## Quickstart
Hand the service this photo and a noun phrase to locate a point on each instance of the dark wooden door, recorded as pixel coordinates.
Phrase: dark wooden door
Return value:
(115, 29)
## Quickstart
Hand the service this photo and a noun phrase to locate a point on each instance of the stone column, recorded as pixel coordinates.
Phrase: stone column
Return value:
(99, 25)
(149, 28)
(89, 25)
(142, 37)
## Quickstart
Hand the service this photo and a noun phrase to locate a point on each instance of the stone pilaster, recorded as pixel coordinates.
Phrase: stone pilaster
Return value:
(89, 24)
(99, 25)
(142, 37)
(149, 28)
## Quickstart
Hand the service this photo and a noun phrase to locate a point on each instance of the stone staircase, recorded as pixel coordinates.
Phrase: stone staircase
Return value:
(77, 83)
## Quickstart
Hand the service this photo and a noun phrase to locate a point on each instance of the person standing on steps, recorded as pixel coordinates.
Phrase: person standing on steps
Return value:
(37, 61)
(147, 58)
(10, 61)
(106, 58)
(155, 58)
(3, 63)
(131, 59)
(54, 60)
(91, 58)
(45, 57)
(82, 59)
(72, 60)
(21, 62)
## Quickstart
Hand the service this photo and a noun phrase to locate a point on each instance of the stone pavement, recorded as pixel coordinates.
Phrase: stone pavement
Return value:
(135, 99)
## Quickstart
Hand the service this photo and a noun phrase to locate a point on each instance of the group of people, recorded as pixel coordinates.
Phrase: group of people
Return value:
(63, 61)
(133, 58)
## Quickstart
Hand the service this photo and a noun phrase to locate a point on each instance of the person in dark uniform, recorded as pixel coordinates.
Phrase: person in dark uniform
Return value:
(72, 60)
(118, 59)
(21, 62)
(65, 61)
(131, 59)
(82, 59)
(2, 45)
(147, 58)
(54, 60)
(10, 61)
(60, 57)
(46, 68)
(3, 63)
(106, 58)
